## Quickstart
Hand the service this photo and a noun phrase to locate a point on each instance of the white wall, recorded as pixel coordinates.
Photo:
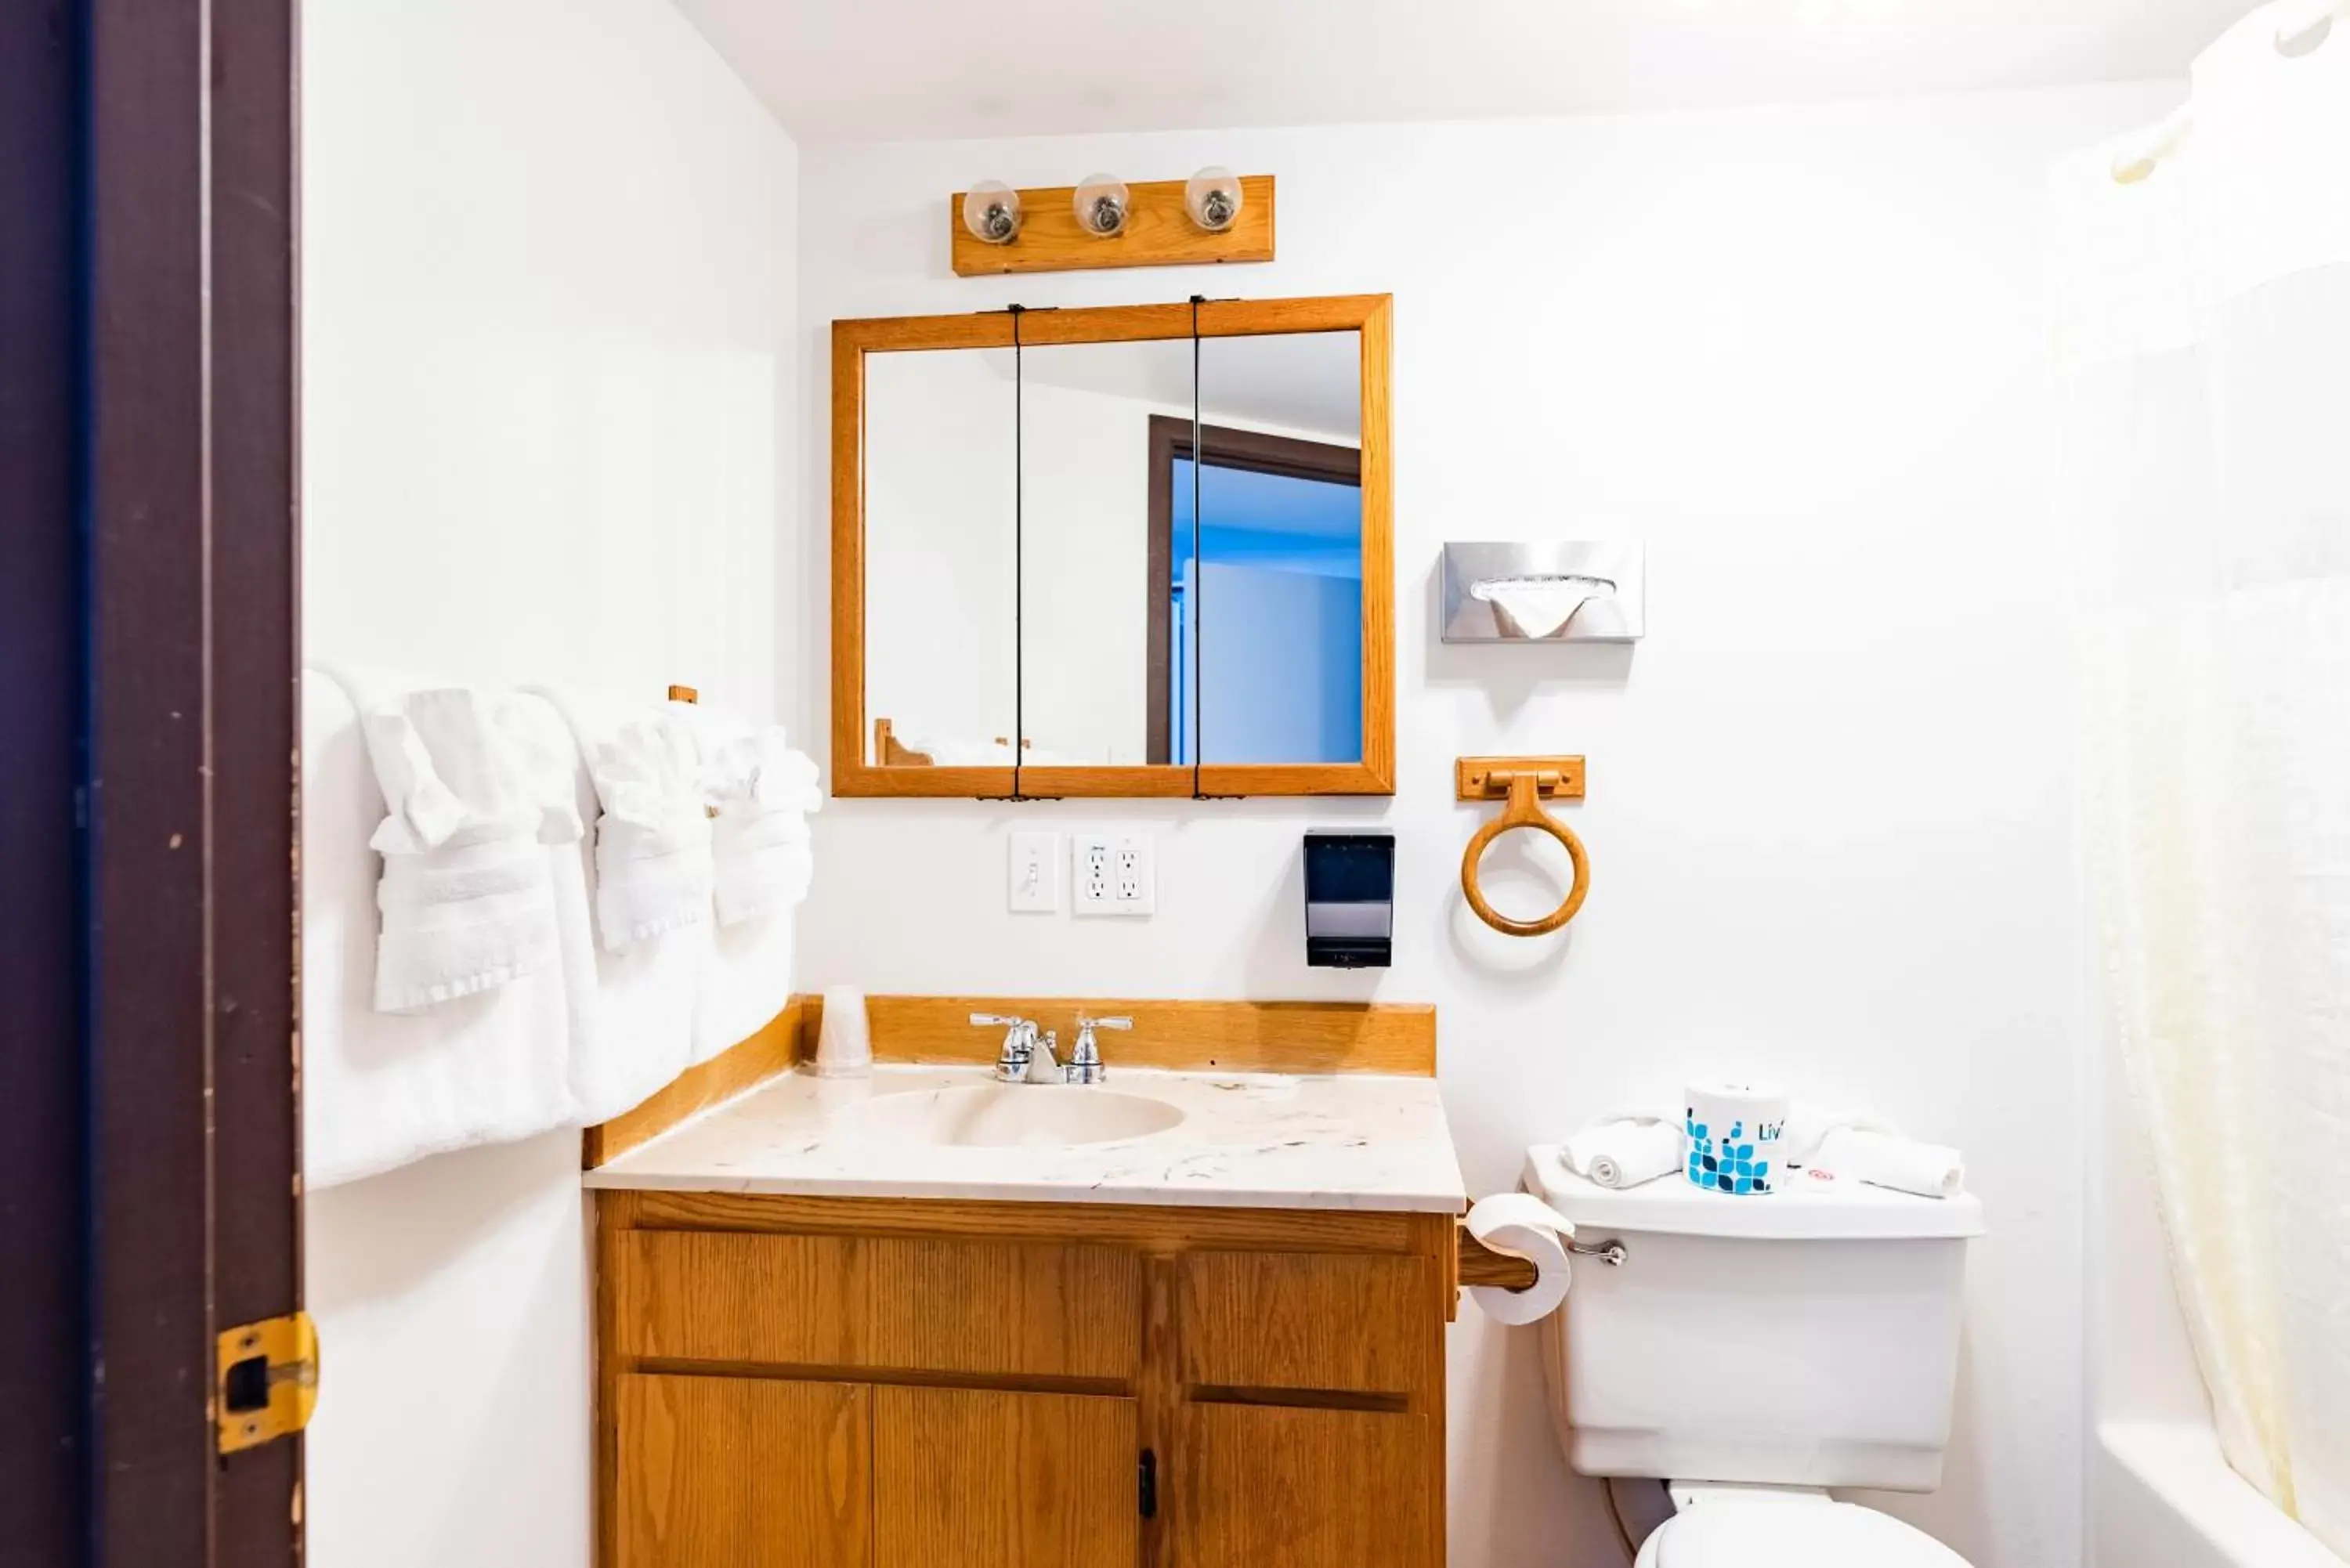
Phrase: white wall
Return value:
(1800, 352)
(549, 421)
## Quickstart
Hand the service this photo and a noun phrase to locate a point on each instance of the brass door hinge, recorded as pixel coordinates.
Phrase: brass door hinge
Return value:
(266, 1381)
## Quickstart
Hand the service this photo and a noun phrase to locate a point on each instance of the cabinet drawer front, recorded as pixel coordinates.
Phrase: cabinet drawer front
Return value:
(1268, 1488)
(1307, 1321)
(1010, 1308)
(708, 1295)
(993, 1308)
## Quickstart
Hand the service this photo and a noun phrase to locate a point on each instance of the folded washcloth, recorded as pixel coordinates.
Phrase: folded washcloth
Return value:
(465, 897)
(1887, 1159)
(1626, 1150)
(653, 868)
(760, 792)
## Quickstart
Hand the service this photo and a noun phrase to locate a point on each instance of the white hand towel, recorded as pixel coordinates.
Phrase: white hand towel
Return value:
(1625, 1150)
(379, 1089)
(465, 898)
(653, 868)
(760, 792)
(632, 1010)
(1885, 1159)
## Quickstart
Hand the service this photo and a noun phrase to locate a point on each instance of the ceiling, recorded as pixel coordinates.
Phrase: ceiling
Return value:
(869, 70)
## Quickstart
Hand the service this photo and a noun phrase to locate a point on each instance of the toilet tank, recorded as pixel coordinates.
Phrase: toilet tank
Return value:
(1808, 1337)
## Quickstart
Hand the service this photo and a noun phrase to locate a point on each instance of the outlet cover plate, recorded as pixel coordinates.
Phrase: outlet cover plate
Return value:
(1112, 874)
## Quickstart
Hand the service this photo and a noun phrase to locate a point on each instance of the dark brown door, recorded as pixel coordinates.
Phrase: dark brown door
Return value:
(148, 1120)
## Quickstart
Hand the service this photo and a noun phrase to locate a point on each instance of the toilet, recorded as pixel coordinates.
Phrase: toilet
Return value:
(1752, 1353)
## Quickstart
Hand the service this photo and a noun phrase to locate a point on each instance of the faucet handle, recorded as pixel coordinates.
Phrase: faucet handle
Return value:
(994, 1020)
(1084, 1023)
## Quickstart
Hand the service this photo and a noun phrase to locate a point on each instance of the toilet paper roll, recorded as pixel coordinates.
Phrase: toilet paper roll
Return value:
(1522, 1226)
(1732, 1135)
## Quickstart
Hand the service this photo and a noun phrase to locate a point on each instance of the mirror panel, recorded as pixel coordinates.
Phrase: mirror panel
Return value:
(940, 583)
(1088, 653)
(1266, 643)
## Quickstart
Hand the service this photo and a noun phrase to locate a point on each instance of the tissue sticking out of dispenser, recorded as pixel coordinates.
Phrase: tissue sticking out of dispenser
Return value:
(1575, 591)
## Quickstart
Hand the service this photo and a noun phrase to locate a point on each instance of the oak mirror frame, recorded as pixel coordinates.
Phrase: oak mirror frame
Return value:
(869, 761)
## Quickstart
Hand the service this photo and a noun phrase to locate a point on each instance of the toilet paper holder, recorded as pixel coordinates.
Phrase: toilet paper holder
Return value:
(1524, 783)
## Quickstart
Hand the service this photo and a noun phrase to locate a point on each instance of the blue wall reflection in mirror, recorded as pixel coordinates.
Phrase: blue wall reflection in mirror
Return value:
(1279, 577)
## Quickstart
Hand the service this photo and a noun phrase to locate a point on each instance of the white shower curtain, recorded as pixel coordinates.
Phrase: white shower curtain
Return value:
(2203, 288)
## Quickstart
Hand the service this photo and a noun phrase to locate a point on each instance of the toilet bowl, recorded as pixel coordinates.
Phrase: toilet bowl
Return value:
(1761, 1349)
(1721, 1526)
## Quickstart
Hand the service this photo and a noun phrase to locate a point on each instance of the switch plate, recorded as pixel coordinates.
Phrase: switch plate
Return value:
(1112, 874)
(1036, 873)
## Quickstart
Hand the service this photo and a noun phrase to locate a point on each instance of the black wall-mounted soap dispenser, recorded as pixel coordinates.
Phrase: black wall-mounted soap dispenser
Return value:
(1349, 899)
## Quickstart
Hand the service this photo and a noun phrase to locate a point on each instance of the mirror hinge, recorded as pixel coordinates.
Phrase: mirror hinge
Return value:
(266, 1380)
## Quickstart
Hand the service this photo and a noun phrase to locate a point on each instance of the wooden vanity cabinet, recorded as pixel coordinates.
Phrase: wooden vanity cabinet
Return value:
(879, 1383)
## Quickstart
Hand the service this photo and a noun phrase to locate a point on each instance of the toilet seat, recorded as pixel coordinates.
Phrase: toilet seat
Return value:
(1734, 1531)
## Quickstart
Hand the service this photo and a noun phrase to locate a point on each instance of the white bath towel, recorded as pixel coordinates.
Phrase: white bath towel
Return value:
(380, 1090)
(1626, 1149)
(1887, 1159)
(465, 900)
(652, 839)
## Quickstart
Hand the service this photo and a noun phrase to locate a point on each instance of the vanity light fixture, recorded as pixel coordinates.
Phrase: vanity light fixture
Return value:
(1100, 203)
(991, 211)
(1212, 197)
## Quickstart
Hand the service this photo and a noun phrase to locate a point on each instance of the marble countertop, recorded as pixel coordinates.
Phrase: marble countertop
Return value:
(1346, 1141)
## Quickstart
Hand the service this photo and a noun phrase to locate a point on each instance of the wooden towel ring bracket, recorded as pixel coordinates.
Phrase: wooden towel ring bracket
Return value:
(1523, 782)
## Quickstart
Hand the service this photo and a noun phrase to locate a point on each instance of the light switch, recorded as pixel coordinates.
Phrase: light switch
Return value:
(1035, 885)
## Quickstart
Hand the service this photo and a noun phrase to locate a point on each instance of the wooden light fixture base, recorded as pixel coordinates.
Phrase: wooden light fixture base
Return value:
(1158, 232)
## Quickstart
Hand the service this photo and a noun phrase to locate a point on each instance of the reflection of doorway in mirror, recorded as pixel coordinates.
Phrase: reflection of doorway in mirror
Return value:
(1277, 574)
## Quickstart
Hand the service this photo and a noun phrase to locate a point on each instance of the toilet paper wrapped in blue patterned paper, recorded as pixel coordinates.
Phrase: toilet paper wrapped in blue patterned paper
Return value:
(1729, 1138)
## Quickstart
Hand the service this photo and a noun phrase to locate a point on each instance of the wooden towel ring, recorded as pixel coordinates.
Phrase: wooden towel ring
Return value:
(1527, 780)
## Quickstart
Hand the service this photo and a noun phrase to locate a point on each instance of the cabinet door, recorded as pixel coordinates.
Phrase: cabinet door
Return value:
(742, 1472)
(978, 1479)
(1274, 1487)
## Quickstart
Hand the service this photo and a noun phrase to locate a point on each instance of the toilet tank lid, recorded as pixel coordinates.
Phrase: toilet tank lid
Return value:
(1805, 1211)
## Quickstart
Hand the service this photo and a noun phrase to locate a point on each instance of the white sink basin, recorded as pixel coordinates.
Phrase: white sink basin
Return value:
(1015, 1116)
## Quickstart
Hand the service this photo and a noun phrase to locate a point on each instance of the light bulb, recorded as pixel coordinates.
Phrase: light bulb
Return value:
(1212, 197)
(1100, 204)
(991, 211)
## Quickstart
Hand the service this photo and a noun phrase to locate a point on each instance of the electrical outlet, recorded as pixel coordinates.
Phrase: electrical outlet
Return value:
(1134, 874)
(1035, 886)
(1112, 874)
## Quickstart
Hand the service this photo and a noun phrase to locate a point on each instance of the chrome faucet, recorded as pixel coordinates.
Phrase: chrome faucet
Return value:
(1023, 1044)
(1085, 1056)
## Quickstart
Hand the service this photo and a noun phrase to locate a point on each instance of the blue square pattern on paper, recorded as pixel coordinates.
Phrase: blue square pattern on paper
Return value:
(1730, 1164)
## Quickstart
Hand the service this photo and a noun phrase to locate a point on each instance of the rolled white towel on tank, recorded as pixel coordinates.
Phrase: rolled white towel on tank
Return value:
(1625, 1150)
(1809, 1125)
(1886, 1160)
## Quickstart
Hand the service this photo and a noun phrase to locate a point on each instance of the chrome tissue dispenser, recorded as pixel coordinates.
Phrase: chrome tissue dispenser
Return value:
(1349, 899)
(1585, 591)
